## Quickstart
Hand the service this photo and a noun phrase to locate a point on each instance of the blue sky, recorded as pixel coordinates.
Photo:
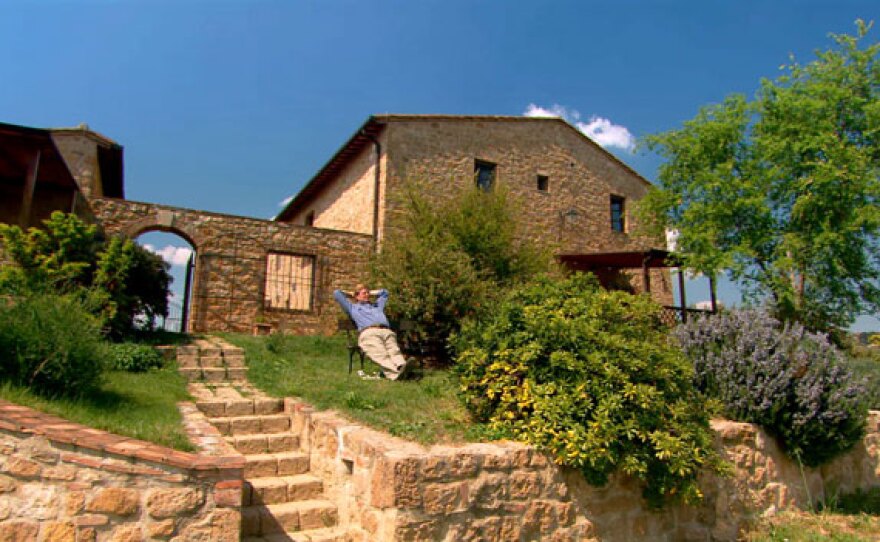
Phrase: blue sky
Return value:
(231, 106)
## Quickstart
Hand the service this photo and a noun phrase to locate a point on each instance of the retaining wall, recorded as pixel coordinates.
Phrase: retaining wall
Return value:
(61, 481)
(397, 490)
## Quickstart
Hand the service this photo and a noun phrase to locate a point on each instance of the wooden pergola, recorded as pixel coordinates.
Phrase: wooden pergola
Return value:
(644, 260)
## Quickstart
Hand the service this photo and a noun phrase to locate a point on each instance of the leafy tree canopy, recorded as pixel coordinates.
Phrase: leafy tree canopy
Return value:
(67, 255)
(782, 190)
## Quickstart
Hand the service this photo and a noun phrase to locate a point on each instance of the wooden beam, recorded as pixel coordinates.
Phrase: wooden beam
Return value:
(712, 286)
(27, 196)
(684, 316)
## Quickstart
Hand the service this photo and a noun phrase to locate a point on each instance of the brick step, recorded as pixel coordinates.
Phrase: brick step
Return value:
(288, 518)
(330, 534)
(251, 425)
(243, 407)
(264, 443)
(281, 489)
(277, 464)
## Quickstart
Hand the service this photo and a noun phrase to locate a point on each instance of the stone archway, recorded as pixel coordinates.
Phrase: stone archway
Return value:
(230, 275)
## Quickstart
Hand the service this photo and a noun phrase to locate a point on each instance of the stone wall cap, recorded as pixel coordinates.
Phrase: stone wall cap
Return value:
(24, 420)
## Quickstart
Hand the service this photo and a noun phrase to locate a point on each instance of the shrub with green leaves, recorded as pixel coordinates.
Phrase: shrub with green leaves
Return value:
(67, 255)
(444, 262)
(792, 382)
(133, 357)
(588, 376)
(51, 344)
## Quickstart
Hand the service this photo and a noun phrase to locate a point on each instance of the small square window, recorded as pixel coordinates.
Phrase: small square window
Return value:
(289, 281)
(543, 183)
(484, 174)
(618, 213)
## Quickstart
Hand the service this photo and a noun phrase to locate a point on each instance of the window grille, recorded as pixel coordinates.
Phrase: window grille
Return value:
(289, 281)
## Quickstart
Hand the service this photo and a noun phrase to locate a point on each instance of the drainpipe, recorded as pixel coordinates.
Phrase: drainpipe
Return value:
(378, 147)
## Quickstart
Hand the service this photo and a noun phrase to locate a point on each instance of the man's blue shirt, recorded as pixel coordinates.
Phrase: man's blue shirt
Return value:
(365, 314)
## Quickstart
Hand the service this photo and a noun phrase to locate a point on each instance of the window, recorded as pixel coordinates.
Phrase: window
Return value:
(310, 219)
(484, 173)
(617, 213)
(289, 281)
(543, 183)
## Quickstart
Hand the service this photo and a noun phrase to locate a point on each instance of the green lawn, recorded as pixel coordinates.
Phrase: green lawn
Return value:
(139, 405)
(316, 369)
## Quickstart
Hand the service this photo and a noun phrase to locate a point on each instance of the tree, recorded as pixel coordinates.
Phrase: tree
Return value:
(450, 260)
(66, 255)
(782, 190)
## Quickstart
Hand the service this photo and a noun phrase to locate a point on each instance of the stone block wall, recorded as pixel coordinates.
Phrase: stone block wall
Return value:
(231, 254)
(60, 481)
(397, 490)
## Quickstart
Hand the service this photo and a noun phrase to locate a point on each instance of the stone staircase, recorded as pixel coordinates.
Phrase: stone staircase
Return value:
(211, 360)
(281, 499)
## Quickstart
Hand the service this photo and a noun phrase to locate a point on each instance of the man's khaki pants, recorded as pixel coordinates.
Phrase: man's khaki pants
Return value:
(380, 344)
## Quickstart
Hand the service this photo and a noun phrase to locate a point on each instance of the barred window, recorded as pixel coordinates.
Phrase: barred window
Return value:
(289, 281)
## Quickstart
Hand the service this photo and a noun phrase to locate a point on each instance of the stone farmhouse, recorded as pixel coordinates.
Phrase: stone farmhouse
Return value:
(277, 275)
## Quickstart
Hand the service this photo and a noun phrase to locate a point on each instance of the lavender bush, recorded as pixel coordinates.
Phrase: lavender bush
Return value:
(789, 380)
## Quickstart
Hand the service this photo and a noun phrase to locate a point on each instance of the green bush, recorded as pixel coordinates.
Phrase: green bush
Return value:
(452, 260)
(51, 344)
(588, 376)
(67, 255)
(133, 357)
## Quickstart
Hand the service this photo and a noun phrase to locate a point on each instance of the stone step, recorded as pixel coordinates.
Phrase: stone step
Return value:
(194, 374)
(280, 489)
(251, 425)
(236, 374)
(211, 361)
(264, 443)
(187, 361)
(288, 517)
(277, 464)
(330, 534)
(244, 407)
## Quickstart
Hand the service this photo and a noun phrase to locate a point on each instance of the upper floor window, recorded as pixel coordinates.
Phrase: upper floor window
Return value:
(618, 212)
(289, 281)
(310, 219)
(484, 174)
(543, 183)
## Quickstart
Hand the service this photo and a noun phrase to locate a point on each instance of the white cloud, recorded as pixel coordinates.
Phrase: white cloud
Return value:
(285, 201)
(599, 129)
(171, 254)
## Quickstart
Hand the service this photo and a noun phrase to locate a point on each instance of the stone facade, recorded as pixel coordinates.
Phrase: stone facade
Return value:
(60, 481)
(571, 214)
(229, 283)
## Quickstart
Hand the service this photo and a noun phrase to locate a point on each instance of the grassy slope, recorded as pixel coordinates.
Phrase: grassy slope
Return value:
(138, 405)
(316, 369)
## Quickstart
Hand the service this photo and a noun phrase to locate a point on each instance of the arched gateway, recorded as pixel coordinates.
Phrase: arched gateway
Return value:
(250, 271)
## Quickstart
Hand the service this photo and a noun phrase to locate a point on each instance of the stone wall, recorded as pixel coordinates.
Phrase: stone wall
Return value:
(60, 481)
(572, 216)
(80, 153)
(397, 490)
(230, 269)
(347, 204)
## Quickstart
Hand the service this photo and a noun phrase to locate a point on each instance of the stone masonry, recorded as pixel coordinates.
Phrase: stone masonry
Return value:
(60, 481)
(571, 216)
(230, 267)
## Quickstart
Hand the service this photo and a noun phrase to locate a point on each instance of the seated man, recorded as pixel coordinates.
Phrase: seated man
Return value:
(374, 334)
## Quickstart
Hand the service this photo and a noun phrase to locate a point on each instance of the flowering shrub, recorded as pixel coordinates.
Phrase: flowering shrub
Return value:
(588, 376)
(788, 380)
